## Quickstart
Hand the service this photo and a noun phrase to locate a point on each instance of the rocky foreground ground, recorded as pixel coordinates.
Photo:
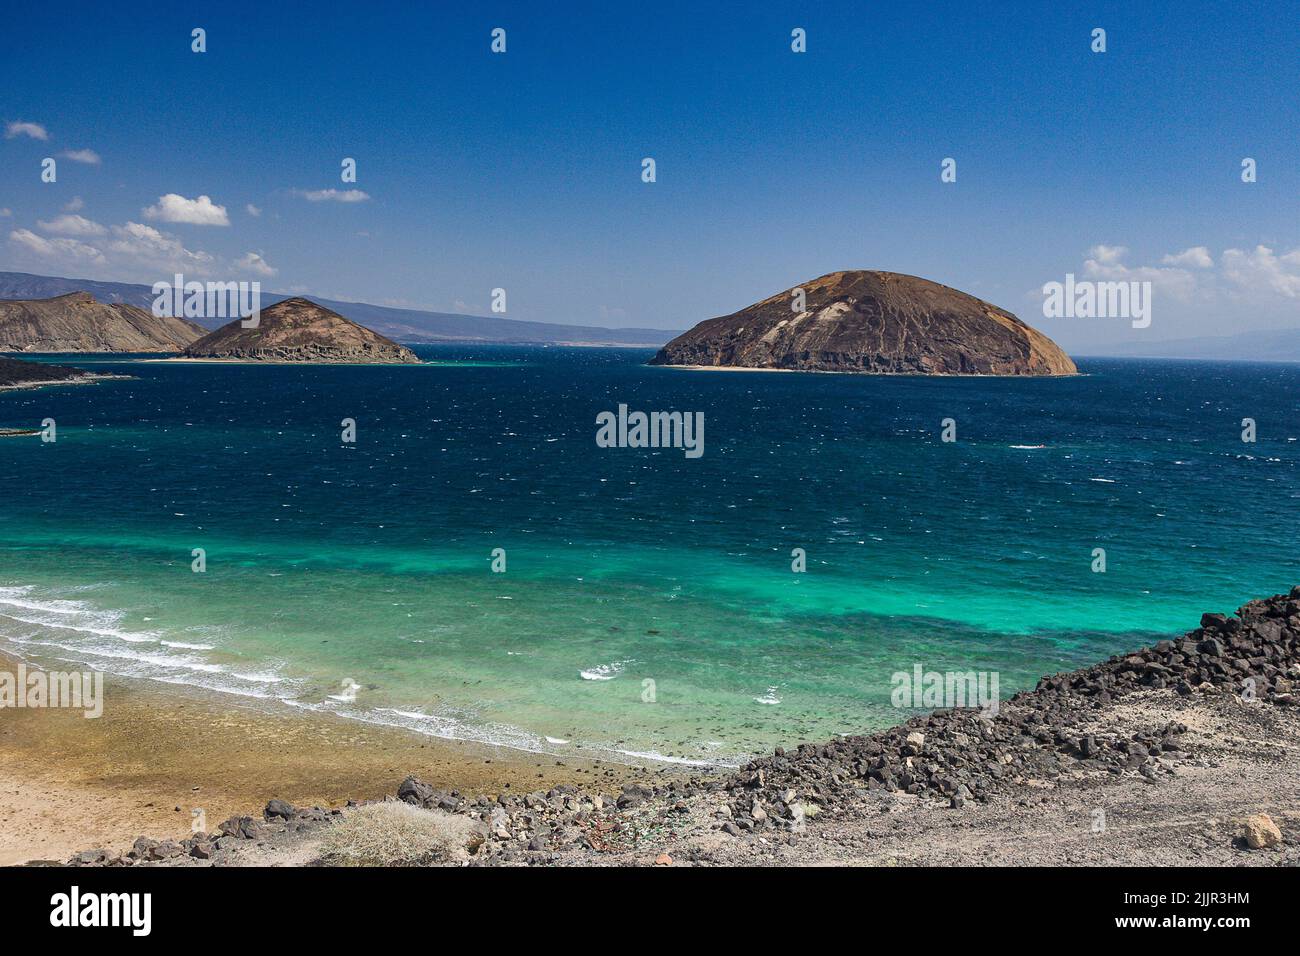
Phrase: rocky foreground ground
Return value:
(1185, 752)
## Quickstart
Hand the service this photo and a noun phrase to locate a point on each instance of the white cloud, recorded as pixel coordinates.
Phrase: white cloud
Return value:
(72, 225)
(332, 195)
(34, 130)
(1259, 269)
(1108, 255)
(132, 251)
(1104, 263)
(68, 250)
(253, 210)
(1198, 257)
(75, 204)
(1258, 278)
(195, 212)
(6, 212)
(146, 246)
(87, 156)
(252, 262)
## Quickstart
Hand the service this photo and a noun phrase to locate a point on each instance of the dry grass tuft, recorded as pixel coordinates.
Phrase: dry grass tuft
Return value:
(395, 834)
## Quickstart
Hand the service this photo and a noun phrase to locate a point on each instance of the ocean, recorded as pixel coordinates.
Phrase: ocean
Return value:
(648, 609)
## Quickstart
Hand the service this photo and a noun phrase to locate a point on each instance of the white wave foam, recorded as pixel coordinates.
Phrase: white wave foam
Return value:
(663, 758)
(260, 678)
(604, 671)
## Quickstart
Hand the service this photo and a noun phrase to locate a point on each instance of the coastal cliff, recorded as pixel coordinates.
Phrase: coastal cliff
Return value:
(870, 322)
(299, 330)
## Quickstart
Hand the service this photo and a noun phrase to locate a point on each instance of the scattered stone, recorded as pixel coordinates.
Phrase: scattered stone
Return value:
(278, 809)
(414, 791)
(1261, 832)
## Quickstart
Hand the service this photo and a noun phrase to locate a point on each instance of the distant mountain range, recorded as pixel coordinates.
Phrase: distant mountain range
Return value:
(1275, 345)
(410, 326)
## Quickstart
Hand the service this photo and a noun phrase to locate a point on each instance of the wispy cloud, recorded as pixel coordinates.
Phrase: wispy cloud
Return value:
(195, 212)
(72, 225)
(133, 251)
(1260, 268)
(1197, 257)
(252, 262)
(34, 130)
(1259, 278)
(252, 210)
(87, 156)
(63, 250)
(1106, 262)
(332, 195)
(145, 245)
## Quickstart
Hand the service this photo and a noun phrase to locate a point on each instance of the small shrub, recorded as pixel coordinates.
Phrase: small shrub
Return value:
(395, 834)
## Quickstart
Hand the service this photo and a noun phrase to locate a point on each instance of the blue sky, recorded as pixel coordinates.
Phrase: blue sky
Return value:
(522, 170)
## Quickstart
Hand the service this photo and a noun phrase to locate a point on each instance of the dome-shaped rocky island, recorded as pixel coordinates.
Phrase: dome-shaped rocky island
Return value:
(299, 330)
(881, 323)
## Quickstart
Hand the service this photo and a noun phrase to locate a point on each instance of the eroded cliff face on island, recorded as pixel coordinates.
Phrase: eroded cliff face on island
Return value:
(299, 330)
(76, 322)
(871, 322)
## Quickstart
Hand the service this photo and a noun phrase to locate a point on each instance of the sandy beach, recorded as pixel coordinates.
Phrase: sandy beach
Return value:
(68, 782)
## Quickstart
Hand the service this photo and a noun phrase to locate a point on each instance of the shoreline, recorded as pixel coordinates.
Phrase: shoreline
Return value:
(92, 378)
(182, 360)
(1184, 767)
(74, 782)
(845, 371)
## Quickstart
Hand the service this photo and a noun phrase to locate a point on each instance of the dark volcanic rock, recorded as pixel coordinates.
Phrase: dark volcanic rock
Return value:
(299, 330)
(278, 809)
(877, 322)
(1039, 734)
(16, 373)
(414, 790)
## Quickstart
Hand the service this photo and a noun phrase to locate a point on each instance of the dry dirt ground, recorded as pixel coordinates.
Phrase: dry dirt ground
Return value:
(1242, 758)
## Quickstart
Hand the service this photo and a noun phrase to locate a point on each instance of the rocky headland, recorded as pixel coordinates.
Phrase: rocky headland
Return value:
(870, 322)
(299, 330)
(16, 373)
(1183, 752)
(76, 322)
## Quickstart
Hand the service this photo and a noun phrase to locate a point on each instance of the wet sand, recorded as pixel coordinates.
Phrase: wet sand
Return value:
(68, 782)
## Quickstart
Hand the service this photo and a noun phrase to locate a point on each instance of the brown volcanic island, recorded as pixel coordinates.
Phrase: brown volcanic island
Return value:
(77, 323)
(299, 330)
(875, 322)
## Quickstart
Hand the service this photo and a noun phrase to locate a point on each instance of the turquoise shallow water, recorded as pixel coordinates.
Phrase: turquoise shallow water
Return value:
(356, 578)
